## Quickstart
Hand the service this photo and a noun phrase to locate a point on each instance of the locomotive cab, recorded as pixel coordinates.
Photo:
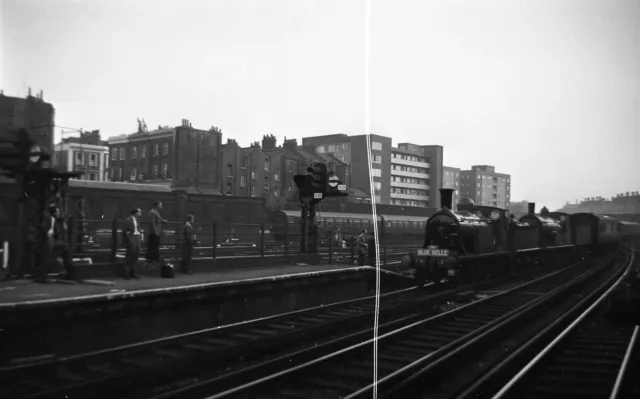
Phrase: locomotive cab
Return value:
(565, 226)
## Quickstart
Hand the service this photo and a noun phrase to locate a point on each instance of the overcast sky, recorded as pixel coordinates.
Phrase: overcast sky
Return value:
(547, 91)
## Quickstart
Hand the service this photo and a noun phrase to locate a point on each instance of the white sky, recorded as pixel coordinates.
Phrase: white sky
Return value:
(547, 91)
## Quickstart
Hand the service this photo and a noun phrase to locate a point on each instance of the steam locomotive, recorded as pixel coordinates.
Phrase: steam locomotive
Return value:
(480, 241)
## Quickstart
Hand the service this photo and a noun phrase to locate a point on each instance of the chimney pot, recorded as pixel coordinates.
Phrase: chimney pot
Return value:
(532, 208)
(446, 198)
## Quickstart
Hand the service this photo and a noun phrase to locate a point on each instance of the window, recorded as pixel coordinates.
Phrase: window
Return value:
(230, 170)
(376, 172)
(266, 165)
(345, 146)
(378, 199)
(266, 182)
(143, 151)
(155, 170)
(156, 150)
(165, 148)
(276, 176)
(275, 191)
(133, 174)
(165, 170)
(93, 159)
(79, 158)
(242, 181)
(253, 175)
(229, 188)
(134, 153)
(106, 161)
(377, 158)
(122, 154)
(253, 190)
(376, 146)
(114, 154)
(290, 186)
(244, 163)
(377, 185)
(92, 176)
(320, 149)
(112, 172)
(290, 166)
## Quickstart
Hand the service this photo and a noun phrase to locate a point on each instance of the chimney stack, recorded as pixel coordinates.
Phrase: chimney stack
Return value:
(446, 197)
(532, 208)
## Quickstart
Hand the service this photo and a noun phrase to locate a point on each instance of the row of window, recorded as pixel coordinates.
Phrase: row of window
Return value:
(408, 191)
(405, 168)
(408, 157)
(143, 151)
(332, 147)
(81, 156)
(157, 171)
(405, 202)
(409, 180)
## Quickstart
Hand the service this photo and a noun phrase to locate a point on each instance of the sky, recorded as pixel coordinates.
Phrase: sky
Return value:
(547, 91)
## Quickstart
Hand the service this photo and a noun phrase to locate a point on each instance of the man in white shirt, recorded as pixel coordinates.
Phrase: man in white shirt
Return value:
(132, 238)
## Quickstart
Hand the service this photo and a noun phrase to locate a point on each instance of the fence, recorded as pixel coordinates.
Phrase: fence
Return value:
(102, 241)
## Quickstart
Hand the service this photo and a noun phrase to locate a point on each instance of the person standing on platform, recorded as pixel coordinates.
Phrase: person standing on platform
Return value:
(153, 242)
(53, 245)
(132, 238)
(188, 242)
(362, 246)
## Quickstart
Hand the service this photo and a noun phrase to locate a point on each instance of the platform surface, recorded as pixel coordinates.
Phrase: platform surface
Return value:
(17, 293)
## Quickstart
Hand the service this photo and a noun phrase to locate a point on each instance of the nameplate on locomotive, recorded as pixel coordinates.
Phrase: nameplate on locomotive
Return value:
(433, 252)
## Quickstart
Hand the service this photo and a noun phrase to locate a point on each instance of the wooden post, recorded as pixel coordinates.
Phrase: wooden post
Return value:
(114, 240)
(331, 246)
(286, 237)
(215, 239)
(262, 240)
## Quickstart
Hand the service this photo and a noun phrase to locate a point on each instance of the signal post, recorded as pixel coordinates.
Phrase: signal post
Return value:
(29, 165)
(312, 188)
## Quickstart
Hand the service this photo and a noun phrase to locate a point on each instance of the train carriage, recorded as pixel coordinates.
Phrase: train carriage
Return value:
(594, 230)
(348, 223)
(401, 225)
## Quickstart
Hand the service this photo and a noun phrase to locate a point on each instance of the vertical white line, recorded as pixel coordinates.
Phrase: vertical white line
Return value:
(367, 132)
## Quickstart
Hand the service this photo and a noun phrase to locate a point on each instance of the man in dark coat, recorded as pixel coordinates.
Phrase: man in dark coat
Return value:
(188, 242)
(132, 237)
(53, 234)
(155, 231)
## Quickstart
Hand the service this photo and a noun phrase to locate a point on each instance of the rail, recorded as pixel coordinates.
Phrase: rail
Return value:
(546, 352)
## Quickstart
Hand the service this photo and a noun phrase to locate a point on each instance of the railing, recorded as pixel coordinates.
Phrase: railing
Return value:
(102, 241)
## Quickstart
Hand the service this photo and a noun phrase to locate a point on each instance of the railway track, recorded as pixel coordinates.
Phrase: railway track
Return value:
(590, 358)
(333, 370)
(116, 371)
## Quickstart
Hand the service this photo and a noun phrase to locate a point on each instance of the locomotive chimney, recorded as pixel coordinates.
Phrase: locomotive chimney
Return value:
(446, 197)
(532, 208)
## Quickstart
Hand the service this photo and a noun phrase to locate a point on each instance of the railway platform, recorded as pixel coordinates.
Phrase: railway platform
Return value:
(65, 315)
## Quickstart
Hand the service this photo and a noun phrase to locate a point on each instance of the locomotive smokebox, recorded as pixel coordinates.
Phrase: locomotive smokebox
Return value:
(446, 198)
(532, 208)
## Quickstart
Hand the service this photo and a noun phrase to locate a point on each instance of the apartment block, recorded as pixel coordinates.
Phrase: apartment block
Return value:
(87, 153)
(485, 186)
(407, 175)
(451, 179)
(181, 156)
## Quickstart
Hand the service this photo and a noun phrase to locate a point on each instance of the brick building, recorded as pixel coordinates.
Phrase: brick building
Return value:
(485, 186)
(407, 175)
(32, 113)
(286, 162)
(180, 156)
(87, 153)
